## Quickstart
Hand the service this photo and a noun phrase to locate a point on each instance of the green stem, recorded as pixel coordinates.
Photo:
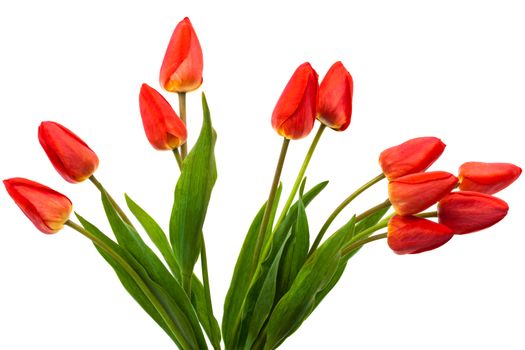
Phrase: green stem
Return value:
(428, 214)
(207, 293)
(178, 157)
(119, 210)
(269, 203)
(381, 224)
(382, 205)
(136, 278)
(353, 246)
(300, 175)
(182, 114)
(340, 208)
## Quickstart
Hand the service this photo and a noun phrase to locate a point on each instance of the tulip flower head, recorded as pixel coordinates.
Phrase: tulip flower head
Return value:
(164, 129)
(181, 70)
(294, 113)
(487, 178)
(412, 156)
(466, 212)
(47, 209)
(412, 235)
(411, 194)
(71, 157)
(335, 98)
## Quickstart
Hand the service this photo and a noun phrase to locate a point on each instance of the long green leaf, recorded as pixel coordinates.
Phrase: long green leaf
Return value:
(295, 305)
(129, 284)
(192, 195)
(159, 238)
(362, 225)
(242, 274)
(162, 283)
(296, 249)
(246, 317)
(156, 234)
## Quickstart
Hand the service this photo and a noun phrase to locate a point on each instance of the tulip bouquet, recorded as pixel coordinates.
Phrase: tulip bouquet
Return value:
(280, 277)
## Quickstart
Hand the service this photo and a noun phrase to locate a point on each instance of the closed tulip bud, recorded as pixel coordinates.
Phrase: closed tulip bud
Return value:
(181, 70)
(294, 114)
(466, 211)
(487, 178)
(335, 98)
(47, 209)
(412, 235)
(70, 156)
(411, 194)
(164, 129)
(412, 156)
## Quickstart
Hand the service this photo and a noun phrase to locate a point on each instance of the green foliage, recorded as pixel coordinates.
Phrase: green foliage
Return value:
(192, 195)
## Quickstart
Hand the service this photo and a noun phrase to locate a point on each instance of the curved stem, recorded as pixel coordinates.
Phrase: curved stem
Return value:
(372, 210)
(119, 210)
(269, 203)
(300, 175)
(340, 208)
(178, 157)
(182, 114)
(136, 278)
(353, 246)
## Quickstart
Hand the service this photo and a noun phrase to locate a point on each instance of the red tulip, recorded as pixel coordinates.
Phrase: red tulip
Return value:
(487, 178)
(412, 235)
(335, 98)
(47, 209)
(181, 69)
(70, 156)
(412, 156)
(413, 193)
(294, 114)
(466, 211)
(164, 129)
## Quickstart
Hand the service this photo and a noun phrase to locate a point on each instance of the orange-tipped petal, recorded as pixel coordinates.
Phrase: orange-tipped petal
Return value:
(294, 113)
(412, 156)
(466, 212)
(411, 194)
(71, 157)
(181, 69)
(487, 178)
(412, 235)
(47, 209)
(164, 129)
(335, 98)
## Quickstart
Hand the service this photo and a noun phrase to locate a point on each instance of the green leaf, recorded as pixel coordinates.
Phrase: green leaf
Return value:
(161, 282)
(248, 322)
(362, 225)
(192, 195)
(158, 237)
(295, 306)
(242, 274)
(129, 284)
(296, 249)
(156, 234)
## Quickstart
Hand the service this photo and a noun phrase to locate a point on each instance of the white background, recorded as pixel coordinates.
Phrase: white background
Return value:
(453, 69)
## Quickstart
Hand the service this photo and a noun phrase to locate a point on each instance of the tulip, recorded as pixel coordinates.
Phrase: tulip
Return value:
(412, 235)
(413, 193)
(466, 212)
(294, 114)
(181, 70)
(335, 98)
(487, 178)
(164, 129)
(70, 156)
(412, 156)
(47, 209)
